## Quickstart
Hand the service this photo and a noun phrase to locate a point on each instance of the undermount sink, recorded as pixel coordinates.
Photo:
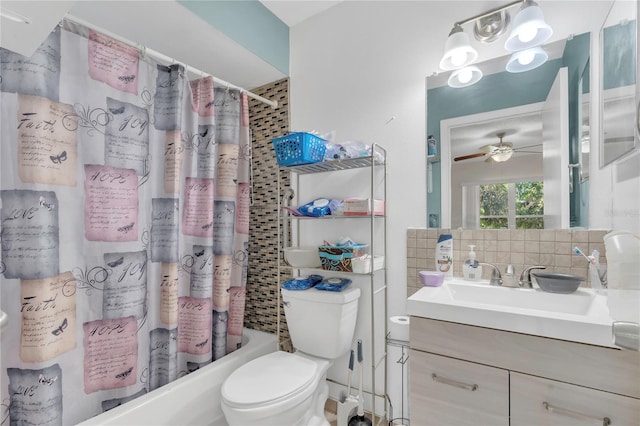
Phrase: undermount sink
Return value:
(582, 316)
(575, 303)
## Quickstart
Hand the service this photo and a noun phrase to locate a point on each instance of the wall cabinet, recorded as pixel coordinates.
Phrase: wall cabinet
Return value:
(362, 177)
(467, 375)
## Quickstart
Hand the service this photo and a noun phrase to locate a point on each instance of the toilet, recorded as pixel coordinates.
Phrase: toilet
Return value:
(284, 388)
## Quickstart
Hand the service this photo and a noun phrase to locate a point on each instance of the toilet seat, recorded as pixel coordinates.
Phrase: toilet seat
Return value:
(283, 377)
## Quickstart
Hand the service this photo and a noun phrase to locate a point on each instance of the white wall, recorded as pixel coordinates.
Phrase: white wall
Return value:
(353, 69)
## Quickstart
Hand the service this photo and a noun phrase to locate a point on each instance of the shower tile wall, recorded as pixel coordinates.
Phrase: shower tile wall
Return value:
(262, 286)
(521, 248)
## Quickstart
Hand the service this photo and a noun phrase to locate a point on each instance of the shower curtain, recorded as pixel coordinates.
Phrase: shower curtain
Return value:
(124, 225)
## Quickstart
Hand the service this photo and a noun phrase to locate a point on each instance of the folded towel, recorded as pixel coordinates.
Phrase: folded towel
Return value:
(301, 283)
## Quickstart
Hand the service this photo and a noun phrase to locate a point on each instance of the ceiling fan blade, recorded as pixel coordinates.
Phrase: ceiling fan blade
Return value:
(527, 152)
(525, 147)
(467, 157)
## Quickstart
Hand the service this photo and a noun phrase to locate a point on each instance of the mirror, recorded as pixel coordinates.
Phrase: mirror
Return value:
(584, 104)
(500, 102)
(618, 63)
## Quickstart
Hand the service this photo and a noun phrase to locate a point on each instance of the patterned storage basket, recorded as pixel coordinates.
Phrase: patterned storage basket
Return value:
(334, 258)
(299, 148)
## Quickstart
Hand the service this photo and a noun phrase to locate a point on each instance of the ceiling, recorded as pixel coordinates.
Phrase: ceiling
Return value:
(292, 12)
(521, 131)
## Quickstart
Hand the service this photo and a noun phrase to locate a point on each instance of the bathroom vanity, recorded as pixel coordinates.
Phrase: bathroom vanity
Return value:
(478, 363)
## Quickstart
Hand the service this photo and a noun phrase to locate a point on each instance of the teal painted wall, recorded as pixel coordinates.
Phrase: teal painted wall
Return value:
(250, 24)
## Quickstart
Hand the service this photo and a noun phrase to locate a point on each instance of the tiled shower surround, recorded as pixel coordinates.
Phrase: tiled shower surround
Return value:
(520, 248)
(262, 286)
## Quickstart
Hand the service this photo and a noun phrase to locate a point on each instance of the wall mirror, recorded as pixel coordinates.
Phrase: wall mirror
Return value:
(618, 40)
(584, 105)
(466, 120)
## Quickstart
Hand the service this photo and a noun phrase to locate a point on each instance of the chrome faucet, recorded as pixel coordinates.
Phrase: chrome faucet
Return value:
(509, 279)
(525, 276)
(496, 277)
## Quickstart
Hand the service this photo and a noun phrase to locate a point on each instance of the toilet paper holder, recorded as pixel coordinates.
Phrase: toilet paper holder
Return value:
(398, 332)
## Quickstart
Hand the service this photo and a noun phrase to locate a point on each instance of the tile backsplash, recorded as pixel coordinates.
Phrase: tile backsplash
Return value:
(501, 247)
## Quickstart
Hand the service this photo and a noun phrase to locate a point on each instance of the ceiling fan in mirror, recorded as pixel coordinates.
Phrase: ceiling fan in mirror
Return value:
(500, 152)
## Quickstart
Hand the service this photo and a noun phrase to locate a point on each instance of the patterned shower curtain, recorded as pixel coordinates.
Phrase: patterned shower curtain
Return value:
(124, 225)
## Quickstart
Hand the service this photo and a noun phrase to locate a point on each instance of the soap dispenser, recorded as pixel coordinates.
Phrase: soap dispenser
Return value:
(471, 269)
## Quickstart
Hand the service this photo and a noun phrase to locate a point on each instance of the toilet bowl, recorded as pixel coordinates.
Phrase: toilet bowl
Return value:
(292, 391)
(284, 388)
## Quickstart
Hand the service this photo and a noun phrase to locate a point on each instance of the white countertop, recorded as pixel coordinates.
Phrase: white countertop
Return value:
(582, 316)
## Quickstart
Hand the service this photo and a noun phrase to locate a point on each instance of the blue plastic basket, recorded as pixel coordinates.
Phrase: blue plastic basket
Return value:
(299, 148)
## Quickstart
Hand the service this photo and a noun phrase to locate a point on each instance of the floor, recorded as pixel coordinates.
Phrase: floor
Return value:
(330, 409)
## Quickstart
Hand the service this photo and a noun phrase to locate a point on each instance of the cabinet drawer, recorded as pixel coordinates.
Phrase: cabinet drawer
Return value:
(537, 401)
(445, 391)
(608, 369)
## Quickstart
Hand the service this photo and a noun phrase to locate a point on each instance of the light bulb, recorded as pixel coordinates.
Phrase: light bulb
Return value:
(465, 75)
(526, 57)
(458, 57)
(526, 33)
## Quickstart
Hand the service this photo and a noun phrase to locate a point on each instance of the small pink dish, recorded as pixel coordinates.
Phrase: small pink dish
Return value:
(431, 278)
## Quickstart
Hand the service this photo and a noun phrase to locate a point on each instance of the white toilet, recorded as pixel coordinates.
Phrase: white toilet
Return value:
(290, 389)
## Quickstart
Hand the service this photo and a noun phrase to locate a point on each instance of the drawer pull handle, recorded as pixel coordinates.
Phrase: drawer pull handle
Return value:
(455, 383)
(576, 415)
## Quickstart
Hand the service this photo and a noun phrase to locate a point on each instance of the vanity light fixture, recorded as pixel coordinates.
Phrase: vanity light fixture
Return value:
(529, 31)
(14, 16)
(526, 60)
(457, 50)
(529, 28)
(465, 77)
(488, 28)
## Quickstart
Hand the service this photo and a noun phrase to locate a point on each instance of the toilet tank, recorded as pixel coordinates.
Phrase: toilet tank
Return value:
(321, 323)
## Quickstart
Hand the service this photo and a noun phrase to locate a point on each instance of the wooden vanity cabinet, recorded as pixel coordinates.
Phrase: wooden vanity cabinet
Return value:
(466, 375)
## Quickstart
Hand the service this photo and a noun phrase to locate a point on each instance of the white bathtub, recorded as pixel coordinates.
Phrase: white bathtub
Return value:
(193, 399)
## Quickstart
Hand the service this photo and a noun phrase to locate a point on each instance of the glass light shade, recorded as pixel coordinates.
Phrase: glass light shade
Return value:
(529, 28)
(526, 60)
(458, 52)
(465, 77)
(499, 157)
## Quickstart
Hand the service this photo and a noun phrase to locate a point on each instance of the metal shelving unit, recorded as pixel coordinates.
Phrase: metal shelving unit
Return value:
(377, 279)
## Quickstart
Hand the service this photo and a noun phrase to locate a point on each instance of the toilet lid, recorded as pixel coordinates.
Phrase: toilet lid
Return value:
(269, 378)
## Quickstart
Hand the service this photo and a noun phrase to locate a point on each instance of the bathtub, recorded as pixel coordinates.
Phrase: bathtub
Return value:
(193, 399)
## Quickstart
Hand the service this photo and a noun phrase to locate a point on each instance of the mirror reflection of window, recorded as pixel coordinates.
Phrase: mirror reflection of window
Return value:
(507, 205)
